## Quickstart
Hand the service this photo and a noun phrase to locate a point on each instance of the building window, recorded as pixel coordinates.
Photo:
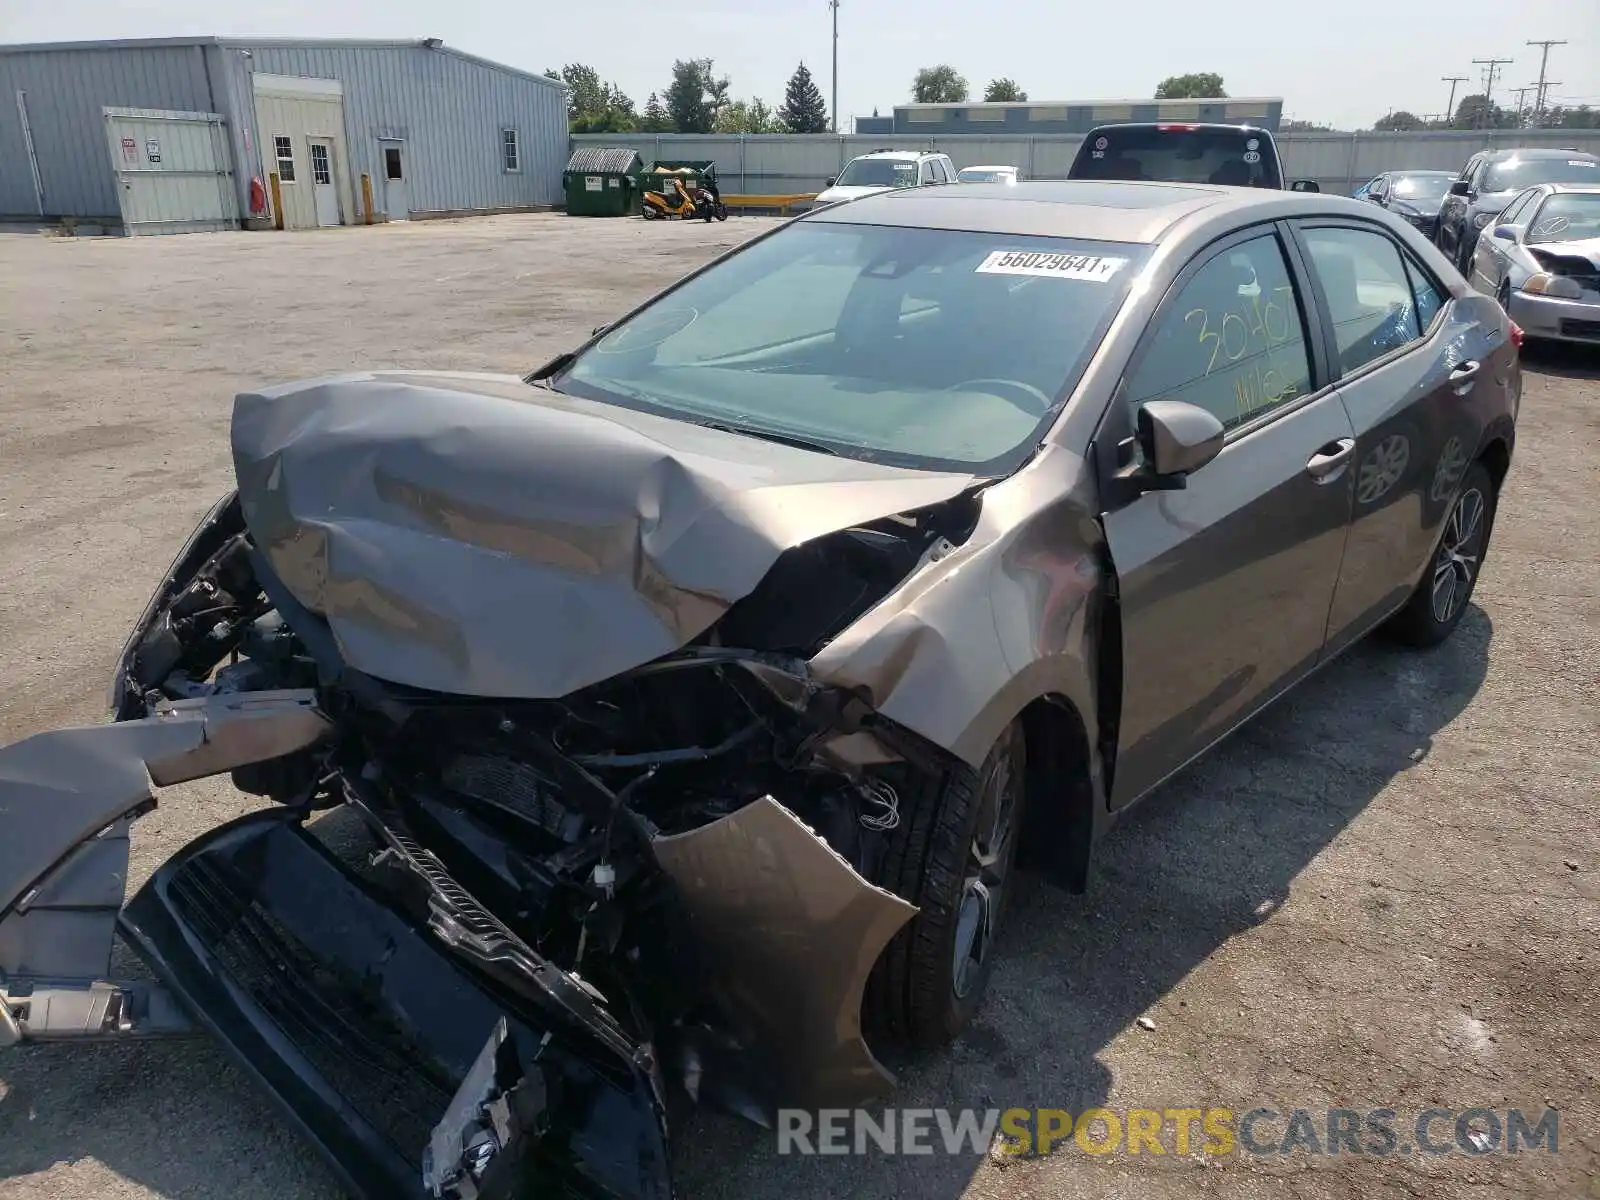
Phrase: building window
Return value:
(508, 150)
(321, 169)
(285, 152)
(391, 163)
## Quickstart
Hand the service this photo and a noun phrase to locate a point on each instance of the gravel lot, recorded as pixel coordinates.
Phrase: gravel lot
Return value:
(1384, 893)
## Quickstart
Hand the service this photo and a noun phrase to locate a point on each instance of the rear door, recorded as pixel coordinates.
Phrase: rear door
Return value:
(1225, 585)
(1407, 359)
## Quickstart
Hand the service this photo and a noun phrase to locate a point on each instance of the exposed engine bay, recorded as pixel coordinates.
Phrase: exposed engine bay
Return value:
(641, 858)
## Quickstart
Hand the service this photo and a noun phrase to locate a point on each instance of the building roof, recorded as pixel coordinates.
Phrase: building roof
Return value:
(243, 43)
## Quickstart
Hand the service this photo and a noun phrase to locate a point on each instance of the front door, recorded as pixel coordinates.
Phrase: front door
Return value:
(396, 201)
(1407, 363)
(1225, 584)
(323, 191)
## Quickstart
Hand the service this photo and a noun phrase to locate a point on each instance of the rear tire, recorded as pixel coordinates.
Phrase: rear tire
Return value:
(933, 975)
(1446, 587)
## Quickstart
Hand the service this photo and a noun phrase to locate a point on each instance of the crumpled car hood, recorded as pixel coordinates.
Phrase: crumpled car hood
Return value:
(478, 535)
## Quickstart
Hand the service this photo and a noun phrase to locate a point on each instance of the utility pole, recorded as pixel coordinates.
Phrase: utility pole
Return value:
(1544, 57)
(1489, 65)
(1450, 108)
(1520, 93)
(834, 5)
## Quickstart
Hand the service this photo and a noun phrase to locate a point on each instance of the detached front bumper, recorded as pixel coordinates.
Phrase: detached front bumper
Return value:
(1557, 319)
(363, 1029)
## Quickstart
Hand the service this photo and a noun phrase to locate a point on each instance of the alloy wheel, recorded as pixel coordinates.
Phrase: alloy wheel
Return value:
(1460, 551)
(988, 870)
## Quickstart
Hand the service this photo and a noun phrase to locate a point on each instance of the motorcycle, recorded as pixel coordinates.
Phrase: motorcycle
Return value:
(680, 202)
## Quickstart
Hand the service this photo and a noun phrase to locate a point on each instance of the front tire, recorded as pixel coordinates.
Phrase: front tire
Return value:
(954, 857)
(1446, 587)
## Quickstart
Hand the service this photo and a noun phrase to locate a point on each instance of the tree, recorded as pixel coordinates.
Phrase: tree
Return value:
(1207, 84)
(656, 118)
(803, 109)
(1477, 111)
(1399, 122)
(938, 85)
(1304, 127)
(696, 95)
(592, 106)
(1578, 117)
(1003, 91)
(764, 119)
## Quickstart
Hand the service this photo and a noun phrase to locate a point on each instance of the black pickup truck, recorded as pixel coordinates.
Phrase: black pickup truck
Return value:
(1167, 152)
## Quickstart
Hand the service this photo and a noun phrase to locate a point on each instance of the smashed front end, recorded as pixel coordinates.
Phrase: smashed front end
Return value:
(528, 918)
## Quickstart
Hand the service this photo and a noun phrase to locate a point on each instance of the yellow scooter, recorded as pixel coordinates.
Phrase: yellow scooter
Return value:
(681, 203)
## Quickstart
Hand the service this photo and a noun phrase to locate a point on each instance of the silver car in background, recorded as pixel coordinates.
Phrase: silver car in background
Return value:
(987, 174)
(1541, 260)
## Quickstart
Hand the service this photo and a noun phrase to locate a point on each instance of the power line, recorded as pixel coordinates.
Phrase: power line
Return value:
(1544, 57)
(1452, 80)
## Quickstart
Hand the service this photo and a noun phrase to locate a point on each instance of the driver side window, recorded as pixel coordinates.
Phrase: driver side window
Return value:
(927, 172)
(1231, 340)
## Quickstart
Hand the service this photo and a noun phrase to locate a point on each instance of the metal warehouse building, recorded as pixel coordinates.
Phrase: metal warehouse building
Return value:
(1069, 116)
(180, 134)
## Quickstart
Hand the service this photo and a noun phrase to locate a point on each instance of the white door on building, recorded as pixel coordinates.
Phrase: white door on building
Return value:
(396, 201)
(323, 191)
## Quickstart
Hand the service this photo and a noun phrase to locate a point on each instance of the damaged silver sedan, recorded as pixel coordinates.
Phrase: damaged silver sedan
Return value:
(694, 698)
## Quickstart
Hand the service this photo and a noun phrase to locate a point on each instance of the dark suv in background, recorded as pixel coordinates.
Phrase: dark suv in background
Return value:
(1164, 152)
(1491, 180)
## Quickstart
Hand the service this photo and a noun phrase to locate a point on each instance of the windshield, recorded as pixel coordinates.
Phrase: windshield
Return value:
(916, 347)
(983, 175)
(878, 172)
(1422, 188)
(1179, 154)
(1517, 173)
(1569, 217)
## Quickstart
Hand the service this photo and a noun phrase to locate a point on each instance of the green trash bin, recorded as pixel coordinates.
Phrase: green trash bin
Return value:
(601, 181)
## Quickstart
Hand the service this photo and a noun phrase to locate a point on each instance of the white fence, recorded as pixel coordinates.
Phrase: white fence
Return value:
(777, 164)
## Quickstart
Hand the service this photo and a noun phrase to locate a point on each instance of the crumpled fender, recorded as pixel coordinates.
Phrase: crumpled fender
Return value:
(790, 933)
(60, 788)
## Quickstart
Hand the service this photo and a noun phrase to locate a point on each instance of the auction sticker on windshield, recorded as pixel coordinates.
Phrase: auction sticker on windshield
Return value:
(1092, 267)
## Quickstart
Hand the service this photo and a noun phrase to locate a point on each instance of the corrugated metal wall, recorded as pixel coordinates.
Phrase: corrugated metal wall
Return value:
(174, 171)
(779, 164)
(449, 109)
(66, 93)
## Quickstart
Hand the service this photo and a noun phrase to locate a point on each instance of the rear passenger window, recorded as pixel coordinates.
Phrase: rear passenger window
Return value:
(1429, 297)
(1231, 341)
(1369, 295)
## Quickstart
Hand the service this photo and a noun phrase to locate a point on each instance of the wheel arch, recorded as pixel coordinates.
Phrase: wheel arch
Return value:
(1066, 811)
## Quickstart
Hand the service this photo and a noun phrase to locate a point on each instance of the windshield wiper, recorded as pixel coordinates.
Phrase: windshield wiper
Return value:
(769, 435)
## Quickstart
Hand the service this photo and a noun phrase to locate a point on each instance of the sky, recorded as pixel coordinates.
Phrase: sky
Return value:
(1346, 69)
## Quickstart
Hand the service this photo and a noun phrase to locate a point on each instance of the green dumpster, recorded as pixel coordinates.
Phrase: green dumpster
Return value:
(601, 181)
(658, 176)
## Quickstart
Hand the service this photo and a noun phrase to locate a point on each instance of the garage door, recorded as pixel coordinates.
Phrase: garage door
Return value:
(174, 171)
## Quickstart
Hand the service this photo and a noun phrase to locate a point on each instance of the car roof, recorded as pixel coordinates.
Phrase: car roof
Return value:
(1201, 126)
(1578, 188)
(900, 154)
(1539, 152)
(989, 167)
(1092, 209)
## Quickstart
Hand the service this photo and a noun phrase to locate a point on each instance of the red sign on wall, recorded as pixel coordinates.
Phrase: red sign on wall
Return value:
(130, 150)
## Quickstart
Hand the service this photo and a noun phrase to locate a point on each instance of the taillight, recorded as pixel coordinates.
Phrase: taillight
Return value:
(1177, 128)
(1516, 335)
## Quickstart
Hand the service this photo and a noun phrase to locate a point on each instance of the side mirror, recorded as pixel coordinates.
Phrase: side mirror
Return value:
(830, 182)
(1458, 188)
(1305, 185)
(1506, 232)
(1176, 439)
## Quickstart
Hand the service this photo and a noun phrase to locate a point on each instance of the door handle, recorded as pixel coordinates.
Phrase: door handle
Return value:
(1463, 376)
(1322, 465)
